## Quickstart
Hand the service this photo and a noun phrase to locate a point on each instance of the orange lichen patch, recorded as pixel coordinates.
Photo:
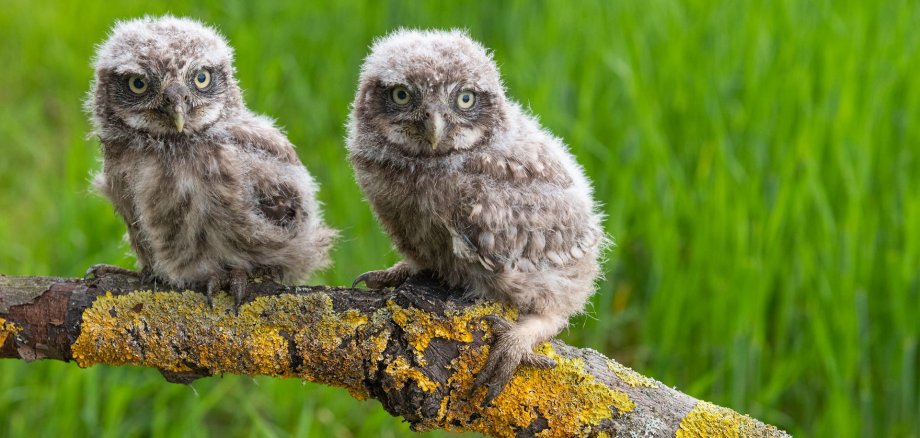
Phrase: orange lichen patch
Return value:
(630, 377)
(568, 397)
(171, 331)
(709, 420)
(6, 329)
(421, 326)
(401, 372)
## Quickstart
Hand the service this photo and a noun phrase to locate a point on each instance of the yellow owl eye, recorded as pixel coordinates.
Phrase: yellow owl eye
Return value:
(202, 79)
(137, 84)
(466, 99)
(401, 95)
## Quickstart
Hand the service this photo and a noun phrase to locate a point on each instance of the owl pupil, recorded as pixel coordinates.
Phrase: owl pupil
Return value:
(401, 94)
(466, 98)
(138, 83)
(201, 77)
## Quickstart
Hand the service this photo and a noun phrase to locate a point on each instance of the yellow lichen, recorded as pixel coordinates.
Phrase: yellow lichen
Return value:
(709, 420)
(302, 336)
(630, 377)
(169, 330)
(421, 326)
(567, 396)
(6, 329)
(401, 371)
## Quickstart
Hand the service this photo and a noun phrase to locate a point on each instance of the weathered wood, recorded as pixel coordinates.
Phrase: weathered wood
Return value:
(415, 348)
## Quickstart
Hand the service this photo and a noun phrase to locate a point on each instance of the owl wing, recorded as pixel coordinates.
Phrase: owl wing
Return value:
(278, 200)
(279, 203)
(259, 134)
(523, 215)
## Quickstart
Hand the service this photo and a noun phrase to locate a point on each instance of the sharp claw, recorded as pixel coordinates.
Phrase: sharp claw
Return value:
(213, 286)
(490, 396)
(95, 270)
(361, 278)
(504, 358)
(481, 379)
(146, 275)
(500, 375)
(485, 373)
(238, 282)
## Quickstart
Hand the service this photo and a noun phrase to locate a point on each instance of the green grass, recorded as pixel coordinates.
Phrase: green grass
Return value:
(758, 162)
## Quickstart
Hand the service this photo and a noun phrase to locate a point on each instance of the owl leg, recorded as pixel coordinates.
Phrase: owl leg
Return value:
(391, 277)
(237, 279)
(513, 346)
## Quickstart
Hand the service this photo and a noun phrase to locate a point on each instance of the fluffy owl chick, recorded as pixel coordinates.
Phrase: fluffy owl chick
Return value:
(468, 185)
(209, 191)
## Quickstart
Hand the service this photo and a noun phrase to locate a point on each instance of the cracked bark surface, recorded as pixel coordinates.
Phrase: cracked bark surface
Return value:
(415, 348)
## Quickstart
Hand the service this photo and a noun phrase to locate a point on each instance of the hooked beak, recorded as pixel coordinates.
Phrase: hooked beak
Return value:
(177, 104)
(434, 128)
(179, 118)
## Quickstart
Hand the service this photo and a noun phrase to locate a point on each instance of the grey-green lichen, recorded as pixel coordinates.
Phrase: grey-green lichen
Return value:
(630, 377)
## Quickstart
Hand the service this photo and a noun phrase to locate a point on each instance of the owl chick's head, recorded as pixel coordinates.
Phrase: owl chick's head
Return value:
(163, 76)
(428, 93)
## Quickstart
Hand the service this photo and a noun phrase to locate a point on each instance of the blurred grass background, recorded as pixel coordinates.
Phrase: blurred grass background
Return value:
(758, 162)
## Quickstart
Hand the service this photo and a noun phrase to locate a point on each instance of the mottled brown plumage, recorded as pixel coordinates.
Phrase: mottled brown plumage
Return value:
(209, 191)
(470, 186)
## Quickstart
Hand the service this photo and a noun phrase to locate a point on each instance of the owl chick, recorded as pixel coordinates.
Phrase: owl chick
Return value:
(469, 186)
(210, 192)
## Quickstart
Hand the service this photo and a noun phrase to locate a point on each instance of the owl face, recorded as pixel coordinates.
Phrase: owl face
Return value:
(429, 93)
(164, 76)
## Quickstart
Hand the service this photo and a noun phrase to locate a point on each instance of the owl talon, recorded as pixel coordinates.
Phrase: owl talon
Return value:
(497, 372)
(392, 277)
(146, 275)
(500, 325)
(96, 271)
(505, 355)
(214, 284)
(364, 278)
(374, 280)
(238, 283)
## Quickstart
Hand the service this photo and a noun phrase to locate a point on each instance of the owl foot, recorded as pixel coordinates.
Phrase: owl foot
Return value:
(392, 277)
(236, 279)
(505, 355)
(96, 271)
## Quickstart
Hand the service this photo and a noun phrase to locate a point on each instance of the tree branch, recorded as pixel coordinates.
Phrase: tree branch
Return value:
(415, 348)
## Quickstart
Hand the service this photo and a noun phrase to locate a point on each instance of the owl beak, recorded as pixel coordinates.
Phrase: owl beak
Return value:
(434, 128)
(179, 118)
(177, 99)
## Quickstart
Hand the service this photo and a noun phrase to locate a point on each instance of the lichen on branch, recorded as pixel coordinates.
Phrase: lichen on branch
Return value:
(416, 349)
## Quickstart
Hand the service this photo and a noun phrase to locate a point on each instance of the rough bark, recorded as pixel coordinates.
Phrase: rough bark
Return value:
(415, 349)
